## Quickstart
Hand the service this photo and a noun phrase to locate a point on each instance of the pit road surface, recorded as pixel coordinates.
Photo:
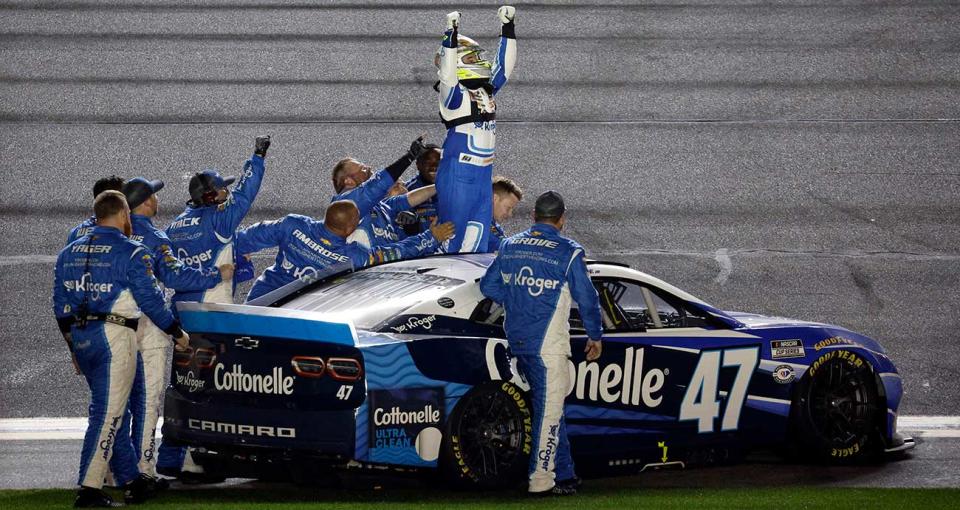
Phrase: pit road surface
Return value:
(786, 158)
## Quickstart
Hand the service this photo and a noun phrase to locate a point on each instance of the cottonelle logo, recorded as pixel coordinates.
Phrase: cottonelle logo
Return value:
(274, 383)
(397, 416)
(624, 382)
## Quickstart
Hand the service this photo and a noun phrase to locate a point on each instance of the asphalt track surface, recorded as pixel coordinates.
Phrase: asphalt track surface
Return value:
(788, 158)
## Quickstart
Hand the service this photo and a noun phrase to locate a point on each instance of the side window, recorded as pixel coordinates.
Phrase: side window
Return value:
(629, 306)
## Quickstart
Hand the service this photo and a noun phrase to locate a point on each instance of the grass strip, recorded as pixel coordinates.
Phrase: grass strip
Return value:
(596, 496)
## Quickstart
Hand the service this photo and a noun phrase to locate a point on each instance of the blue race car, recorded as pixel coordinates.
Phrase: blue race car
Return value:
(404, 365)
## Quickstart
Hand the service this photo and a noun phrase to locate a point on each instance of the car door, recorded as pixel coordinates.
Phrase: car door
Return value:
(670, 376)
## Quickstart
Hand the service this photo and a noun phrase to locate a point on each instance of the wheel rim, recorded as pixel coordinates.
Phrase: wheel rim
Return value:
(491, 435)
(841, 407)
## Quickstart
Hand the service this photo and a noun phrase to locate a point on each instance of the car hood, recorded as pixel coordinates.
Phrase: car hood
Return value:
(755, 320)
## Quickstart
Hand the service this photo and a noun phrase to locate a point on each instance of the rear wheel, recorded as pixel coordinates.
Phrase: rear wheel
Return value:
(489, 437)
(837, 408)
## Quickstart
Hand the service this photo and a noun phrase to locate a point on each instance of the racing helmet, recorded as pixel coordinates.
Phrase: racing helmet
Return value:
(478, 69)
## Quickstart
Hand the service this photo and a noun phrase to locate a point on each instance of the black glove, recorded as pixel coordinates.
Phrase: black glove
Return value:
(409, 221)
(262, 144)
(417, 148)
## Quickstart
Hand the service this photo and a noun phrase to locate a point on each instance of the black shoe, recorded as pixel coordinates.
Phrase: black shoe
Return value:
(142, 488)
(88, 497)
(576, 482)
(160, 484)
(172, 472)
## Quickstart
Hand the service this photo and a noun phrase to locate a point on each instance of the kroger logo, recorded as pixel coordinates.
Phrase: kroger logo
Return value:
(535, 286)
(195, 260)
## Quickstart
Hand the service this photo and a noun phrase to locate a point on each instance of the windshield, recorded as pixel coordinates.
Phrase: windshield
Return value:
(369, 297)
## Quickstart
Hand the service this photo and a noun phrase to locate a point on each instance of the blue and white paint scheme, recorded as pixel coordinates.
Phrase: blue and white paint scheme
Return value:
(366, 368)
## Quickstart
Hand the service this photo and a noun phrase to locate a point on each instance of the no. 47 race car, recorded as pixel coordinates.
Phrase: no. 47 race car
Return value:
(405, 365)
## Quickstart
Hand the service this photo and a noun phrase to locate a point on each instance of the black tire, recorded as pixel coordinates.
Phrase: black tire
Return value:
(488, 438)
(837, 410)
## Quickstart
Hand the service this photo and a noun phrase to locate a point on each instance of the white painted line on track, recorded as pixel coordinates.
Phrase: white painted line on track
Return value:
(17, 260)
(57, 429)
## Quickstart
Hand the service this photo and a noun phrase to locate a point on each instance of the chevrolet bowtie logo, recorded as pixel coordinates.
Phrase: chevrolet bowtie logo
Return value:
(247, 342)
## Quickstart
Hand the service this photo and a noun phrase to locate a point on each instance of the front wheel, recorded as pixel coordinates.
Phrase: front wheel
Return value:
(837, 408)
(489, 437)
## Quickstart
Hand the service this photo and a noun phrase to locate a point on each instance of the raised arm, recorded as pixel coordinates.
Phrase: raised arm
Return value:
(451, 93)
(245, 191)
(507, 50)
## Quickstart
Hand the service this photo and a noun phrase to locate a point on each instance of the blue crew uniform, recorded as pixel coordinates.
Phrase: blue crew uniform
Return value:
(496, 237)
(154, 343)
(306, 247)
(534, 277)
(427, 211)
(464, 194)
(84, 228)
(379, 228)
(203, 236)
(102, 281)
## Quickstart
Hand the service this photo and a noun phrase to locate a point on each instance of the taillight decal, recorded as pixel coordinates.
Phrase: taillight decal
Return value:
(183, 358)
(344, 369)
(308, 366)
(205, 357)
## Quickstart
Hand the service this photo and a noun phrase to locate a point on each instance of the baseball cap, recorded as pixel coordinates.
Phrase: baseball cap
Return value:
(549, 205)
(139, 189)
(205, 182)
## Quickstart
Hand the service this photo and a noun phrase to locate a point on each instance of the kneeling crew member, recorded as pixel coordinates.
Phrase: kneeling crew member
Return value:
(101, 282)
(534, 276)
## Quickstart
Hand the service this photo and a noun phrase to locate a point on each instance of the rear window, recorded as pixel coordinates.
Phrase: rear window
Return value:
(371, 296)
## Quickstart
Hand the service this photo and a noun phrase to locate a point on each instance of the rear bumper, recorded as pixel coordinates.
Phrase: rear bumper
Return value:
(215, 426)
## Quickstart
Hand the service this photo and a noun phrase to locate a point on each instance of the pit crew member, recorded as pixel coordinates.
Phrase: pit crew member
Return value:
(379, 228)
(101, 283)
(467, 86)
(153, 342)
(534, 276)
(306, 246)
(86, 226)
(203, 237)
(506, 196)
(355, 181)
(422, 216)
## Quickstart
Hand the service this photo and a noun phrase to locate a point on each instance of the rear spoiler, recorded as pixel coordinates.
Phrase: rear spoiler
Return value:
(265, 322)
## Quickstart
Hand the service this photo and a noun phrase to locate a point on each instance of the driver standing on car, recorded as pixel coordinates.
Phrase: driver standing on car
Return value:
(534, 276)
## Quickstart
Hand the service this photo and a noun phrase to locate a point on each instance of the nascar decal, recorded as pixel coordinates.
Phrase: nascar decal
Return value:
(786, 349)
(405, 425)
